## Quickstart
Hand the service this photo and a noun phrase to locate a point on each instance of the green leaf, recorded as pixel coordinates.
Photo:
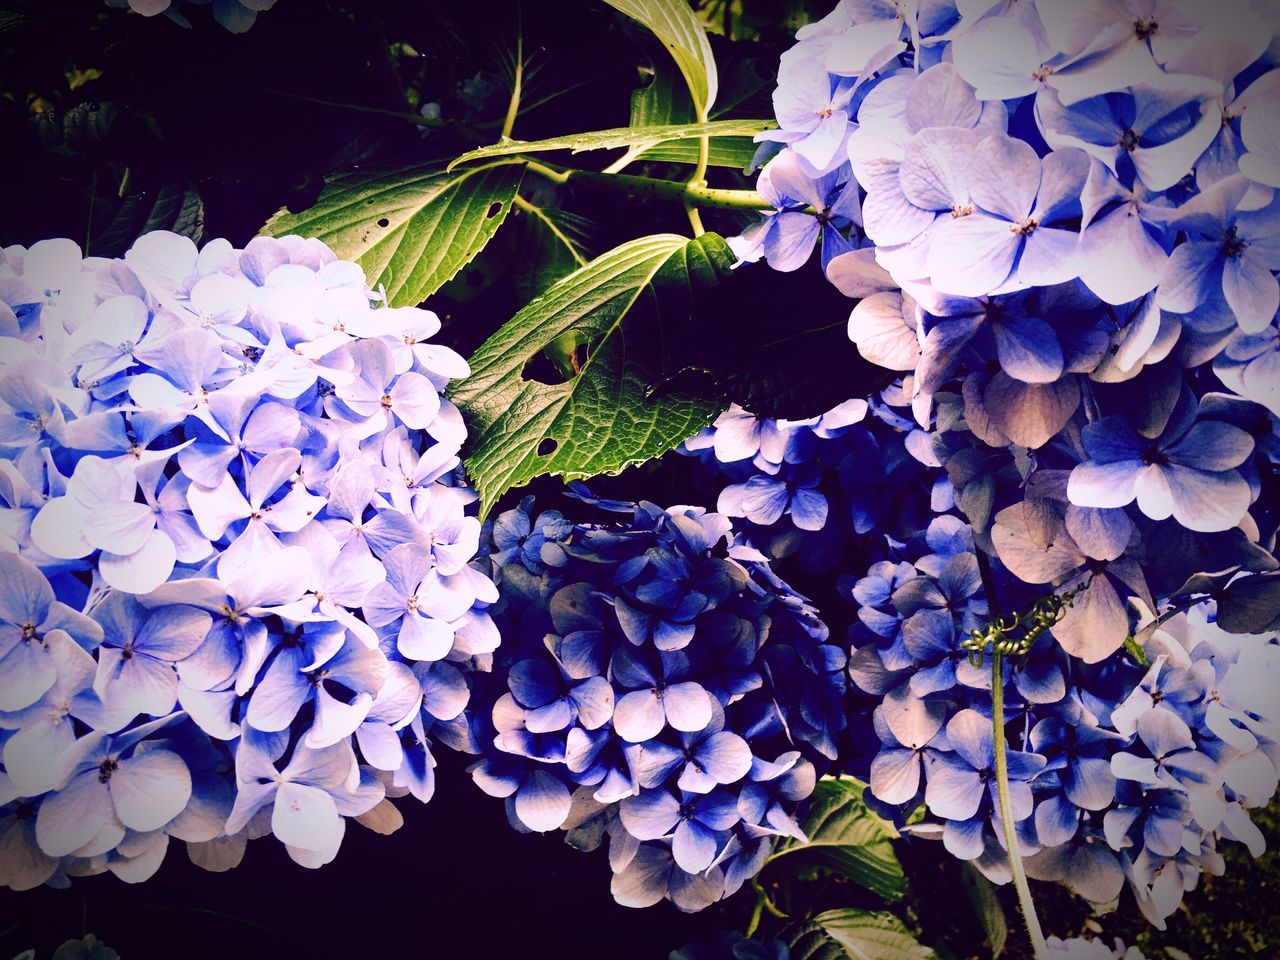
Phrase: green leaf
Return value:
(869, 935)
(411, 228)
(172, 208)
(624, 305)
(619, 137)
(551, 243)
(846, 837)
(674, 23)
(735, 153)
(986, 904)
(662, 103)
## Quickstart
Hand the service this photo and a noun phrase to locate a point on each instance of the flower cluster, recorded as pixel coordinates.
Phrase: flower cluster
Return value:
(235, 15)
(235, 596)
(820, 482)
(1113, 774)
(1064, 236)
(659, 691)
(1068, 236)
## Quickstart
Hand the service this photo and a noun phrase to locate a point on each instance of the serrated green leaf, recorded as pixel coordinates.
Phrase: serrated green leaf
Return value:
(872, 935)
(982, 894)
(411, 228)
(618, 137)
(847, 837)
(674, 23)
(604, 418)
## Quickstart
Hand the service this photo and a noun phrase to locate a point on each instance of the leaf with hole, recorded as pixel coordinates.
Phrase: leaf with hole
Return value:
(674, 23)
(411, 228)
(619, 137)
(628, 308)
(847, 838)
(854, 935)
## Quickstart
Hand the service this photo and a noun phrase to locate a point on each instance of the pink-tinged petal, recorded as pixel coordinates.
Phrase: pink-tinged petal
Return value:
(1096, 625)
(1151, 487)
(1005, 176)
(895, 775)
(688, 707)
(1019, 543)
(1031, 414)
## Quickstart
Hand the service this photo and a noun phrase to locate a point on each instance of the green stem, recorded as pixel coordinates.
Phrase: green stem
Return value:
(513, 105)
(1038, 946)
(698, 179)
(703, 196)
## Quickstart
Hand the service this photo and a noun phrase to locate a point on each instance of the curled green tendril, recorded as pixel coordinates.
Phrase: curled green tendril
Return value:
(1014, 636)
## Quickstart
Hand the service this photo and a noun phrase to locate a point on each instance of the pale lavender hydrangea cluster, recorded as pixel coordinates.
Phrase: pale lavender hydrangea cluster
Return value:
(235, 591)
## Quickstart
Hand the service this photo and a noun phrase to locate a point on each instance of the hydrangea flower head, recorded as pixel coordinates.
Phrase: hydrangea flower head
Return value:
(221, 558)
